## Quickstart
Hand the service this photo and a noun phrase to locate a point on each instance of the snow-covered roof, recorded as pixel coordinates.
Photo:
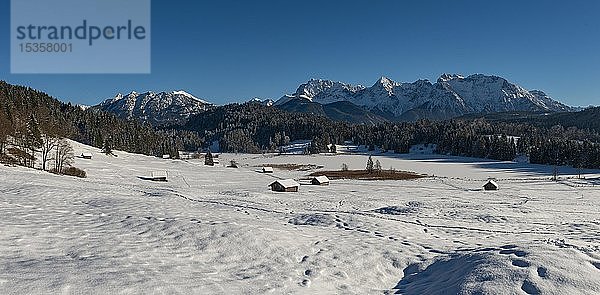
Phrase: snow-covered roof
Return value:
(321, 179)
(267, 169)
(159, 174)
(286, 183)
(493, 182)
(87, 155)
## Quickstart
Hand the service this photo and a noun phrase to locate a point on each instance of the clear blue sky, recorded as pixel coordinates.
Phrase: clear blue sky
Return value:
(226, 51)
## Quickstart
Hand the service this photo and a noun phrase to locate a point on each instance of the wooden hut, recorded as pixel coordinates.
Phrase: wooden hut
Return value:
(320, 180)
(159, 176)
(287, 185)
(491, 185)
(267, 170)
(87, 156)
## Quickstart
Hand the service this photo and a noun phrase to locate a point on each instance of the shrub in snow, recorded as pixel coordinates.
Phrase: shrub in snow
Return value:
(74, 171)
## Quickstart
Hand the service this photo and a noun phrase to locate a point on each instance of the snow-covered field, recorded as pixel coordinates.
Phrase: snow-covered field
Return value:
(216, 230)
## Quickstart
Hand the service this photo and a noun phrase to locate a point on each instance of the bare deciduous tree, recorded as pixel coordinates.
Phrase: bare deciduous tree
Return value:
(49, 144)
(64, 155)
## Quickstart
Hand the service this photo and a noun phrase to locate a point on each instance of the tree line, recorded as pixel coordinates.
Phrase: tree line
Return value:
(252, 127)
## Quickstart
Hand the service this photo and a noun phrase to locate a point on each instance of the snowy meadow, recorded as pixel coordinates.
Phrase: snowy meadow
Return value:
(218, 230)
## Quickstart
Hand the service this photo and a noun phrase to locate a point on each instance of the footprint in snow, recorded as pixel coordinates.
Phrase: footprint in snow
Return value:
(520, 263)
(542, 272)
(305, 283)
(517, 253)
(530, 288)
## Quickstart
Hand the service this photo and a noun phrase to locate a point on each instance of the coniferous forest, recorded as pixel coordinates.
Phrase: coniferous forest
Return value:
(32, 122)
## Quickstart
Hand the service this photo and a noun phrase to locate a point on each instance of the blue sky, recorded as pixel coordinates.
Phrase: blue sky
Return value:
(227, 51)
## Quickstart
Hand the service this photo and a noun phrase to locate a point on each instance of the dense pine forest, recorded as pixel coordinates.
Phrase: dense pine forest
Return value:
(29, 119)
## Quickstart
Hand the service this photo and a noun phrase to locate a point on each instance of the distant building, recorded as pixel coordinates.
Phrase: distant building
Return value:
(320, 180)
(87, 156)
(267, 170)
(287, 185)
(491, 185)
(159, 176)
(166, 156)
(185, 155)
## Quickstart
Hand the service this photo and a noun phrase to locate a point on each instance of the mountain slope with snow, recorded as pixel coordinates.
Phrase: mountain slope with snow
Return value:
(450, 96)
(164, 108)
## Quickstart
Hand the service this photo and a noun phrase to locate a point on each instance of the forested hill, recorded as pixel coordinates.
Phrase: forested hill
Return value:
(252, 127)
(585, 119)
(23, 109)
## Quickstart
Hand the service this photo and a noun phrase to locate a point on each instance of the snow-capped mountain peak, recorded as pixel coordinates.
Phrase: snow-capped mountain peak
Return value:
(448, 77)
(322, 91)
(266, 102)
(386, 84)
(157, 108)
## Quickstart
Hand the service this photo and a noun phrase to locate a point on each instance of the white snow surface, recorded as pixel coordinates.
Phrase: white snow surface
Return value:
(217, 230)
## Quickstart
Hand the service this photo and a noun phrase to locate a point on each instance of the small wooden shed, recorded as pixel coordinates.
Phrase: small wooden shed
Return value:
(267, 170)
(491, 185)
(287, 185)
(320, 180)
(159, 176)
(87, 156)
(166, 156)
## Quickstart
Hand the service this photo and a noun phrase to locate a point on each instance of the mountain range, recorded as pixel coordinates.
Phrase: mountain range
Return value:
(163, 108)
(451, 96)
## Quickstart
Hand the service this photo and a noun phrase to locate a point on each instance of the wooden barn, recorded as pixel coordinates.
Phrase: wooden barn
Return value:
(491, 185)
(159, 176)
(267, 170)
(87, 156)
(320, 180)
(287, 185)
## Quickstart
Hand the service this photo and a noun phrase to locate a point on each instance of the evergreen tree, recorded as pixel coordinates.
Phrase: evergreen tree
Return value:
(377, 166)
(370, 167)
(209, 159)
(333, 148)
(107, 146)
